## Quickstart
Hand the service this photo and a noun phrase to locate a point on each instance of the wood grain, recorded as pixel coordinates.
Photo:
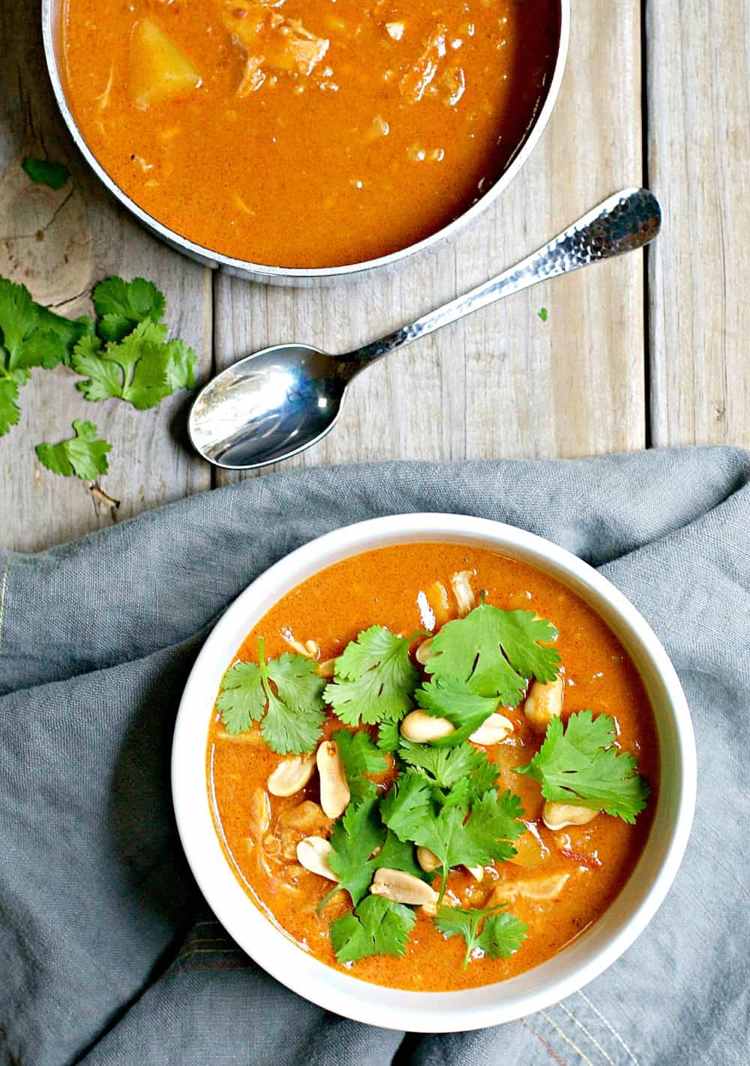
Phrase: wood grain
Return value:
(698, 156)
(58, 243)
(502, 383)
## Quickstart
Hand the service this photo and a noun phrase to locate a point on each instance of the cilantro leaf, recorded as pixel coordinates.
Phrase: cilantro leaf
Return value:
(543, 313)
(493, 652)
(242, 699)
(355, 837)
(19, 316)
(388, 736)
(44, 172)
(287, 691)
(81, 455)
(121, 305)
(360, 757)
(463, 767)
(31, 335)
(580, 764)
(455, 701)
(498, 935)
(377, 927)
(9, 409)
(410, 810)
(374, 678)
(294, 716)
(141, 369)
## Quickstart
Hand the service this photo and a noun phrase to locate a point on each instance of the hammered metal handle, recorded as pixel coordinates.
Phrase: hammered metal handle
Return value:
(623, 223)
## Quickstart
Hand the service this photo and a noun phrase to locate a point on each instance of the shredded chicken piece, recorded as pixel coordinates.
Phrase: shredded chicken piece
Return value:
(271, 40)
(462, 590)
(310, 649)
(538, 888)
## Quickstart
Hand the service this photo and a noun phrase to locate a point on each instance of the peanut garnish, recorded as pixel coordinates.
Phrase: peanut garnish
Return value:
(560, 815)
(400, 887)
(334, 790)
(291, 775)
(543, 703)
(492, 731)
(422, 728)
(313, 853)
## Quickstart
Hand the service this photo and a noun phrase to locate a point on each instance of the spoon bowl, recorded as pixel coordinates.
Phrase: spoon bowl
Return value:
(274, 404)
(268, 406)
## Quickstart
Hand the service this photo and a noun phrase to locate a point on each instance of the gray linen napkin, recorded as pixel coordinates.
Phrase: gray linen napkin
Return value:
(108, 955)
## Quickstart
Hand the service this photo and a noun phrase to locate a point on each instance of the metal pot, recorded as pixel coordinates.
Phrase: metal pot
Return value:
(52, 14)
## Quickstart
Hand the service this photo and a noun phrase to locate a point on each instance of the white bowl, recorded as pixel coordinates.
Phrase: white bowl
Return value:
(493, 1004)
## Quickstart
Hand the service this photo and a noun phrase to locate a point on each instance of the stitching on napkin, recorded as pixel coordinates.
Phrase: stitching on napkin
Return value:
(612, 1030)
(567, 1039)
(3, 587)
(588, 1033)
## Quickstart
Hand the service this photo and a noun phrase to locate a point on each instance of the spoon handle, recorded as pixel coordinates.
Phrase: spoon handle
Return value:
(624, 222)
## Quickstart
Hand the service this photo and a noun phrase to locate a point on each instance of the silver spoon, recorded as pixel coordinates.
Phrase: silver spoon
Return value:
(281, 400)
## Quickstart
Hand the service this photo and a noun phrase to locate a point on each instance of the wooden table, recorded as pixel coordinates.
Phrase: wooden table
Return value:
(636, 353)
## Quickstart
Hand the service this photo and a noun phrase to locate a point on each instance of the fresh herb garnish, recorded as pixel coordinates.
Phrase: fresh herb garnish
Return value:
(377, 927)
(580, 764)
(44, 172)
(498, 935)
(82, 455)
(30, 336)
(122, 305)
(455, 701)
(461, 773)
(141, 369)
(492, 653)
(374, 678)
(286, 693)
(361, 844)
(543, 313)
(458, 835)
(360, 757)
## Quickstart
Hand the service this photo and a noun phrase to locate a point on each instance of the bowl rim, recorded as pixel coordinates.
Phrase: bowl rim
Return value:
(280, 274)
(538, 988)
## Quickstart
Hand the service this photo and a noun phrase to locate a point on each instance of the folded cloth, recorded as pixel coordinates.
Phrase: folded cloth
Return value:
(108, 955)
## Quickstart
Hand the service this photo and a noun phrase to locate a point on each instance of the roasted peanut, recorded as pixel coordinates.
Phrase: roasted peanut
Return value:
(313, 853)
(400, 887)
(477, 872)
(560, 815)
(422, 728)
(427, 860)
(543, 703)
(334, 790)
(291, 775)
(326, 669)
(492, 731)
(424, 651)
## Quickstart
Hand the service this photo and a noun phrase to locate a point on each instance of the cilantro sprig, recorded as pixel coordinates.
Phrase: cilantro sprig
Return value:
(360, 757)
(30, 336)
(377, 927)
(46, 172)
(457, 833)
(374, 678)
(493, 931)
(83, 455)
(580, 764)
(284, 694)
(492, 653)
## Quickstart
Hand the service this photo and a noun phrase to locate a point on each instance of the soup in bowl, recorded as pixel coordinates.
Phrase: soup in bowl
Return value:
(306, 134)
(419, 772)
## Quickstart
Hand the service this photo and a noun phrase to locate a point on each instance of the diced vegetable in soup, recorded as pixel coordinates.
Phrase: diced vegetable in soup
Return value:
(432, 766)
(305, 133)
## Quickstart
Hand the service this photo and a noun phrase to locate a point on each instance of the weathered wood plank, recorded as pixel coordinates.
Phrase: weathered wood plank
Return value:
(698, 77)
(59, 244)
(502, 383)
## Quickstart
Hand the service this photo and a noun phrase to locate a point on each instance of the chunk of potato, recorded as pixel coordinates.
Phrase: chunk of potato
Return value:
(159, 70)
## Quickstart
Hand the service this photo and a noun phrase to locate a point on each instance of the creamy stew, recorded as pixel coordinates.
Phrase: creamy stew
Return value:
(306, 133)
(465, 634)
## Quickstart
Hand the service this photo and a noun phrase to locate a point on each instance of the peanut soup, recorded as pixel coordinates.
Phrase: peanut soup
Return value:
(306, 133)
(432, 766)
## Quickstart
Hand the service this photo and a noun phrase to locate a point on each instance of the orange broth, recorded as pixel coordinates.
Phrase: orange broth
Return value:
(306, 133)
(381, 587)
